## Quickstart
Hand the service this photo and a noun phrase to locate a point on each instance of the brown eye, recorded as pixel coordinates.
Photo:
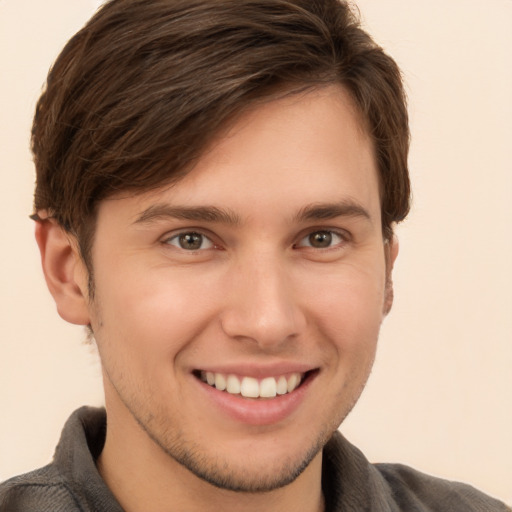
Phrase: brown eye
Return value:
(320, 239)
(190, 241)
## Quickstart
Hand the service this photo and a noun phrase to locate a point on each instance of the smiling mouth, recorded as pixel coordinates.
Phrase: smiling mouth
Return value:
(250, 387)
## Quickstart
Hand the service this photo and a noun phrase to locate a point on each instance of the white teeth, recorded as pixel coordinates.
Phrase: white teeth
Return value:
(250, 387)
(220, 381)
(268, 387)
(282, 386)
(293, 382)
(233, 385)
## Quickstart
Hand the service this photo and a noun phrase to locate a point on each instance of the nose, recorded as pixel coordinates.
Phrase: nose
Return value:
(261, 304)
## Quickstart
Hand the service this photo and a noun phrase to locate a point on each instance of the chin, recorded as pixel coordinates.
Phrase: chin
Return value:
(255, 463)
(253, 474)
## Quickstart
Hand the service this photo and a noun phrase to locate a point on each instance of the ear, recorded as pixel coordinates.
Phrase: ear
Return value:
(390, 253)
(64, 271)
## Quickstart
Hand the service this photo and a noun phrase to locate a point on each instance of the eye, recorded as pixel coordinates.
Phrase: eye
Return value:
(323, 239)
(190, 241)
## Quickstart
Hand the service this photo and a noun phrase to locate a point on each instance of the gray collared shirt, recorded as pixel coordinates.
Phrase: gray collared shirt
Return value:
(71, 483)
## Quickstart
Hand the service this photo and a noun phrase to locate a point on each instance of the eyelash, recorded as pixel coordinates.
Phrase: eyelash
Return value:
(330, 234)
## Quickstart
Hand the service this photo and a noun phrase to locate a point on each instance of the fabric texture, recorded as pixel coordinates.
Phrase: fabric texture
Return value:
(71, 483)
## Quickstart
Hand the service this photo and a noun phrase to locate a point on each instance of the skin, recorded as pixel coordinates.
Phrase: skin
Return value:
(258, 296)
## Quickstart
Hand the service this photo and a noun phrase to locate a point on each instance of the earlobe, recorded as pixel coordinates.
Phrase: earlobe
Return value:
(391, 252)
(64, 271)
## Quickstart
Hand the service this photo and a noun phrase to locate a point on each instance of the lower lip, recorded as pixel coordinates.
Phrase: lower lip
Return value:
(258, 411)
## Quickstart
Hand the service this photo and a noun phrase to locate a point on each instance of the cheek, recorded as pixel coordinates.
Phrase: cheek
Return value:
(151, 315)
(349, 304)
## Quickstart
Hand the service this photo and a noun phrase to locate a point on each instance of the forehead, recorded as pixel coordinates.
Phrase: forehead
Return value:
(300, 149)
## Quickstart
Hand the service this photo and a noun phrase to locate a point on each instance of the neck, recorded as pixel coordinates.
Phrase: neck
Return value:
(144, 477)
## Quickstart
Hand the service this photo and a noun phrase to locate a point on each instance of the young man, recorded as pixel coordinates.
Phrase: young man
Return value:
(217, 183)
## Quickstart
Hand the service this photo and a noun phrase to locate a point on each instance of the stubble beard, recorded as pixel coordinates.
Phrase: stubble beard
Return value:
(214, 469)
(221, 473)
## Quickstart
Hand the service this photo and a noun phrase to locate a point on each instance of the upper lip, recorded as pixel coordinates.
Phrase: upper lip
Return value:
(257, 370)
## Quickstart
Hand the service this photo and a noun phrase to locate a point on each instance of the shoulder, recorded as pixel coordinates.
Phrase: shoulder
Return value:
(410, 488)
(351, 483)
(71, 483)
(42, 490)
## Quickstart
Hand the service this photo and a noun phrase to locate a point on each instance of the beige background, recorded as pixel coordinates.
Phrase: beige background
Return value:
(440, 397)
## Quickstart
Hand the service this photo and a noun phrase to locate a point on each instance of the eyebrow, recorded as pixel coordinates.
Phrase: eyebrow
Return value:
(325, 211)
(315, 211)
(194, 213)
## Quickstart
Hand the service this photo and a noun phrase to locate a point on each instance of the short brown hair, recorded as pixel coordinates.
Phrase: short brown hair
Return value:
(136, 95)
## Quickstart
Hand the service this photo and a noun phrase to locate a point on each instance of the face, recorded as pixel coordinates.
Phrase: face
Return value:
(237, 312)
